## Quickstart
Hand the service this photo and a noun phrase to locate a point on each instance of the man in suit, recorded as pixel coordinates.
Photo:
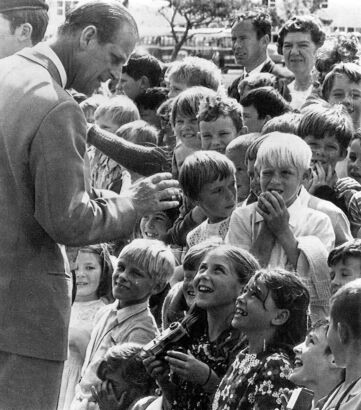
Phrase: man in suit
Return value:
(45, 198)
(22, 24)
(251, 34)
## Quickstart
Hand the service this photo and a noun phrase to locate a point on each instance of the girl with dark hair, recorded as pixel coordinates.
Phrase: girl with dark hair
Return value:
(272, 313)
(93, 272)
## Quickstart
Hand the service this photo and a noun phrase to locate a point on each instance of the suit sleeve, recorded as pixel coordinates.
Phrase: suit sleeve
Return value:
(63, 206)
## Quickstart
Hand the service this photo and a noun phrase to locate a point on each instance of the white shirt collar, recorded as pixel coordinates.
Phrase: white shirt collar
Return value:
(44, 49)
(258, 69)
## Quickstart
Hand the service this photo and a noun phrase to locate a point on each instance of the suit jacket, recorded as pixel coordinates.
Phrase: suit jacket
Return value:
(269, 67)
(44, 202)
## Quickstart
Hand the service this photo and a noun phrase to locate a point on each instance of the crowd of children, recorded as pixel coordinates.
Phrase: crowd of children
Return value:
(251, 288)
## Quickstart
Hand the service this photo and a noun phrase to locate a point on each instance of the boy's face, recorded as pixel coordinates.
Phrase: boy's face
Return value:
(216, 135)
(242, 178)
(348, 93)
(131, 87)
(344, 272)
(218, 199)
(312, 363)
(326, 151)
(354, 160)
(337, 348)
(155, 226)
(252, 120)
(186, 129)
(285, 180)
(106, 123)
(176, 87)
(131, 284)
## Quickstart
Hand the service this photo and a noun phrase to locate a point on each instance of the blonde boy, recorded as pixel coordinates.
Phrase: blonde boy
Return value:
(278, 229)
(142, 269)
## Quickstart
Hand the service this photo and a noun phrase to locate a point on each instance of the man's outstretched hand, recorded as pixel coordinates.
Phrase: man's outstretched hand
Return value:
(155, 193)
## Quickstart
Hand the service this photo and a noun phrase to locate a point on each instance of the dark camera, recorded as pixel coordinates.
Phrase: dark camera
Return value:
(172, 338)
(301, 399)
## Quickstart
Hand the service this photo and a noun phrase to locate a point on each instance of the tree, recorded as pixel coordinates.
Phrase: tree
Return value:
(196, 14)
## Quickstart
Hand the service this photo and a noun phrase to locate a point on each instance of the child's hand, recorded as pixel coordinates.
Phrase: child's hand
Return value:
(322, 178)
(157, 369)
(186, 366)
(274, 211)
(105, 396)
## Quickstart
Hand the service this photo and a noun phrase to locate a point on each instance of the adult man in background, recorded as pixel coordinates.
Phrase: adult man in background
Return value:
(251, 34)
(45, 198)
(22, 24)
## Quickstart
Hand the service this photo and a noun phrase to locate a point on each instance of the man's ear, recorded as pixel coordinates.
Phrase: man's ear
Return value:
(265, 40)
(23, 32)
(281, 317)
(87, 35)
(331, 361)
(144, 82)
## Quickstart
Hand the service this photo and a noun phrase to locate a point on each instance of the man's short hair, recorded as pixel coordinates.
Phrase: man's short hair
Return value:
(266, 101)
(194, 71)
(320, 121)
(140, 65)
(342, 252)
(279, 150)
(203, 167)
(211, 108)
(350, 70)
(105, 15)
(38, 18)
(302, 24)
(260, 19)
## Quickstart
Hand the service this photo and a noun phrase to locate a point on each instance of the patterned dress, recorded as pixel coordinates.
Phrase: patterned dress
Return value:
(217, 355)
(256, 382)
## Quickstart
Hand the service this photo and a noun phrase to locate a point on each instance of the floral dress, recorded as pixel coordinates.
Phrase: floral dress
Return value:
(217, 355)
(256, 382)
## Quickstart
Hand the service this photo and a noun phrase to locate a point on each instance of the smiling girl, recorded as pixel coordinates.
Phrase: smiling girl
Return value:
(198, 369)
(272, 313)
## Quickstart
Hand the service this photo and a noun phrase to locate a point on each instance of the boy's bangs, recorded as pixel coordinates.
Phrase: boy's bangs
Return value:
(279, 158)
